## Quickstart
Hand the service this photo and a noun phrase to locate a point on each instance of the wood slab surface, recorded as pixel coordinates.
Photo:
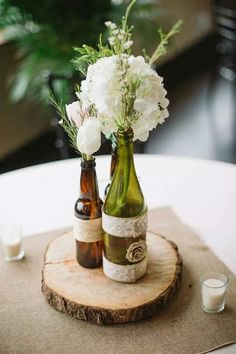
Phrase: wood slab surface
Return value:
(87, 294)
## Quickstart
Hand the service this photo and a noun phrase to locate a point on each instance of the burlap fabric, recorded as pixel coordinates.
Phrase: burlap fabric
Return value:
(29, 325)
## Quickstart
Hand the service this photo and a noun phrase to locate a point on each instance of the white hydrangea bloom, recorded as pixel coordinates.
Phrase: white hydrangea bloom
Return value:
(103, 89)
(102, 86)
(89, 136)
(150, 101)
(108, 124)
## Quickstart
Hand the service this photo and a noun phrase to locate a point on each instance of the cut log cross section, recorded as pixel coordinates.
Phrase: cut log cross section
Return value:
(87, 294)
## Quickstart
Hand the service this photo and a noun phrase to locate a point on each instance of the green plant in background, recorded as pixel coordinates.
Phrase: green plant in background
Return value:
(116, 90)
(46, 33)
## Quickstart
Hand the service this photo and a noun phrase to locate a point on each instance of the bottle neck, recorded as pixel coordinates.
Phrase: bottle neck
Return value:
(88, 180)
(125, 150)
(113, 160)
(124, 198)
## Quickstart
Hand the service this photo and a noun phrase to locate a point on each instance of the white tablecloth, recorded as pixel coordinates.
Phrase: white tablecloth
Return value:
(202, 193)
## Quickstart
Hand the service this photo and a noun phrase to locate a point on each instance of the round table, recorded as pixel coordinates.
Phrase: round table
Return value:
(201, 192)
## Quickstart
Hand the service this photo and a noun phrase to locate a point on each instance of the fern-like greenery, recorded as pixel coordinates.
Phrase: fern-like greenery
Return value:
(119, 44)
(69, 126)
(45, 34)
(88, 55)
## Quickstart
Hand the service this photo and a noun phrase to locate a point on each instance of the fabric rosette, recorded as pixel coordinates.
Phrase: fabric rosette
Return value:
(136, 251)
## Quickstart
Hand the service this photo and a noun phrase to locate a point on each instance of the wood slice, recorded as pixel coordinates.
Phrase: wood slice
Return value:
(88, 294)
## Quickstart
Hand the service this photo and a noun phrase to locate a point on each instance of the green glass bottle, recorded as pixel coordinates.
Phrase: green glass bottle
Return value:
(88, 231)
(125, 218)
(112, 166)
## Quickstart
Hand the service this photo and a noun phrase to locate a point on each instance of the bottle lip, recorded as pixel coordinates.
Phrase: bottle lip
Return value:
(129, 134)
(88, 163)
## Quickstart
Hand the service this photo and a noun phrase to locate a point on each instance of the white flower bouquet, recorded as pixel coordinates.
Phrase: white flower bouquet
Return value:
(123, 98)
(119, 92)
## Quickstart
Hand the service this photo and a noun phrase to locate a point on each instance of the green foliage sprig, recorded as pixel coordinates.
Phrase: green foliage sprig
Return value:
(89, 55)
(164, 39)
(119, 46)
(44, 37)
(69, 126)
(120, 41)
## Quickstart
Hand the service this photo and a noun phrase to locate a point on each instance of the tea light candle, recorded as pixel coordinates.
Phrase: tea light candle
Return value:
(12, 245)
(213, 287)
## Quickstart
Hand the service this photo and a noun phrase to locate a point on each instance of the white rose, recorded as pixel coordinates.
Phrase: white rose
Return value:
(73, 113)
(89, 136)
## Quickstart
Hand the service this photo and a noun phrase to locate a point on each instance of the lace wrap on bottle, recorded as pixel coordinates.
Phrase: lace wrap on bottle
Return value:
(124, 273)
(124, 227)
(136, 253)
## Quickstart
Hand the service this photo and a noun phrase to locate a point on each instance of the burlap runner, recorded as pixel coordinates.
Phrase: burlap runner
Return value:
(29, 325)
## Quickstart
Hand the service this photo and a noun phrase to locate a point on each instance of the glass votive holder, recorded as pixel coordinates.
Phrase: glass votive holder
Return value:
(12, 244)
(213, 291)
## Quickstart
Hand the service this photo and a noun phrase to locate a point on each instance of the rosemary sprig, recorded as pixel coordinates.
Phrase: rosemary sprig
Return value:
(69, 127)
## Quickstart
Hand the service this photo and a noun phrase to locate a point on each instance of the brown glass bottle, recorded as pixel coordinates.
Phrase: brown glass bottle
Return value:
(88, 212)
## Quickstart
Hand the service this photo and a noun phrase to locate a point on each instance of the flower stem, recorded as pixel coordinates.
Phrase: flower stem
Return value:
(124, 24)
(161, 48)
(86, 157)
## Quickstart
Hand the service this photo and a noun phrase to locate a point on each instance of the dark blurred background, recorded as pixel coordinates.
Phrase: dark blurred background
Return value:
(199, 72)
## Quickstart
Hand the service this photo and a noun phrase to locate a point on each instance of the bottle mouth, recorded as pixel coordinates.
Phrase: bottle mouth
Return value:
(88, 163)
(128, 134)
